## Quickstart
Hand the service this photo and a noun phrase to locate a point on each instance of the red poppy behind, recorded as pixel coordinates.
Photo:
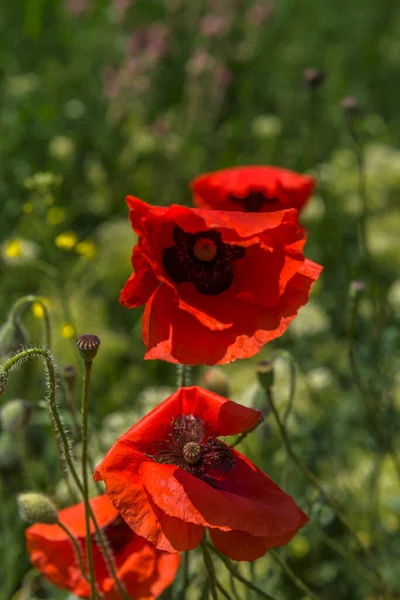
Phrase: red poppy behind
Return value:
(217, 285)
(144, 571)
(252, 189)
(170, 477)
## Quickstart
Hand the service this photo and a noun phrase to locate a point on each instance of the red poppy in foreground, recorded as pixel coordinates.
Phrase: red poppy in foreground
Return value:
(217, 285)
(144, 571)
(170, 477)
(252, 189)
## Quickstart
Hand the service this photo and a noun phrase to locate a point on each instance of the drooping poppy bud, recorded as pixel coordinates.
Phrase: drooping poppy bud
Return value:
(37, 508)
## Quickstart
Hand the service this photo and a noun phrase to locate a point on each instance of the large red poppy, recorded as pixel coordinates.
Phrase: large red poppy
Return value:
(252, 189)
(144, 571)
(217, 285)
(171, 476)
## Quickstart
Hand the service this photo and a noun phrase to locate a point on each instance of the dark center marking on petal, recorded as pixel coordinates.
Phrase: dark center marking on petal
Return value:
(202, 259)
(253, 201)
(118, 535)
(189, 447)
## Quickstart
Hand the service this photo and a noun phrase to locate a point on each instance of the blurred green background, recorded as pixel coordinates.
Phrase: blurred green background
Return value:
(101, 98)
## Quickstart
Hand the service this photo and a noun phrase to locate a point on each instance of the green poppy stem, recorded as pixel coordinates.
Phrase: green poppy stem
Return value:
(85, 415)
(26, 301)
(77, 550)
(47, 357)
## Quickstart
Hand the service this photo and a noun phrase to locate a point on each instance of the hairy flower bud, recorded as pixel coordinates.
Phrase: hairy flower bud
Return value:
(265, 373)
(15, 414)
(37, 508)
(88, 346)
(216, 381)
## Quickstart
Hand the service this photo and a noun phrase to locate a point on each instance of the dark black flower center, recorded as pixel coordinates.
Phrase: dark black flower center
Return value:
(190, 448)
(203, 259)
(253, 201)
(118, 535)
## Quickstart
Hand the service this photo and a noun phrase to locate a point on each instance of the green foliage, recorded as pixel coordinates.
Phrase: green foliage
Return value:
(107, 101)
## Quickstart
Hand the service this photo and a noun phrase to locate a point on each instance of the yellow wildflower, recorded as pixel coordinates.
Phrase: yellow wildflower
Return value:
(87, 249)
(56, 215)
(27, 207)
(66, 240)
(67, 330)
(13, 248)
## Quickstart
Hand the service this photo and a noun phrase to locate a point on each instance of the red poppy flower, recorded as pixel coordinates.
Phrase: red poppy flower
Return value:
(170, 477)
(144, 571)
(217, 285)
(252, 189)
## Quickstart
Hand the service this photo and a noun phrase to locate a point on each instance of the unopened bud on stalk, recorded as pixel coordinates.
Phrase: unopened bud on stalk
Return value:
(216, 381)
(69, 374)
(37, 508)
(13, 336)
(265, 374)
(313, 78)
(88, 346)
(15, 414)
(350, 106)
(356, 288)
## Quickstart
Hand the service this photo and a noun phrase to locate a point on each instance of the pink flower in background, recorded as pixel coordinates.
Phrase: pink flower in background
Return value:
(76, 7)
(213, 25)
(260, 13)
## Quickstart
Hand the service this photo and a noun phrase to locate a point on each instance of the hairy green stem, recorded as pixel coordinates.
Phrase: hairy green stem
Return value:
(85, 415)
(30, 299)
(314, 481)
(298, 582)
(76, 548)
(237, 575)
(210, 568)
(47, 357)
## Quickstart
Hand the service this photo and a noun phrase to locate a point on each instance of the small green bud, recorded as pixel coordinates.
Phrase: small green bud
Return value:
(13, 337)
(216, 381)
(88, 346)
(15, 414)
(265, 373)
(37, 508)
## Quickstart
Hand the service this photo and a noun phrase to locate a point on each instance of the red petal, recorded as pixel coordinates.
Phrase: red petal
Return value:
(141, 284)
(213, 190)
(223, 417)
(245, 499)
(239, 545)
(119, 470)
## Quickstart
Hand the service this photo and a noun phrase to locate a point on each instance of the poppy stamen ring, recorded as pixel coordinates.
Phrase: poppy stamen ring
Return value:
(192, 453)
(205, 249)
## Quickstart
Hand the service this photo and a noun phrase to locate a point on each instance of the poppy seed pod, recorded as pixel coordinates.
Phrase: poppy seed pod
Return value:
(265, 374)
(37, 508)
(88, 345)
